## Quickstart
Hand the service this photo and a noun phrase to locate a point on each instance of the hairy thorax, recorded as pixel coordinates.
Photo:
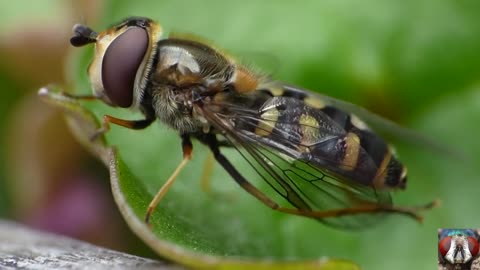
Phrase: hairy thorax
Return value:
(176, 109)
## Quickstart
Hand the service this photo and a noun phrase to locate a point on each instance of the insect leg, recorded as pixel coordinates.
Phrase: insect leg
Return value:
(207, 173)
(131, 124)
(209, 161)
(107, 119)
(212, 142)
(79, 97)
(187, 155)
(363, 209)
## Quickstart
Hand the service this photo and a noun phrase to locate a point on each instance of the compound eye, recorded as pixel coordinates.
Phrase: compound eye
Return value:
(444, 245)
(120, 65)
(473, 246)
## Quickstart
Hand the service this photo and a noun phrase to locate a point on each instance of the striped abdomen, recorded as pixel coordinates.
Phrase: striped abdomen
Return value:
(338, 142)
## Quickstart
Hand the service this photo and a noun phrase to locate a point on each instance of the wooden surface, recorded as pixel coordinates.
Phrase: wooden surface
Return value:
(24, 248)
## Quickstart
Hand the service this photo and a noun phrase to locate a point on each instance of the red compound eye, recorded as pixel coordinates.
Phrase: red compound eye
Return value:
(444, 245)
(473, 246)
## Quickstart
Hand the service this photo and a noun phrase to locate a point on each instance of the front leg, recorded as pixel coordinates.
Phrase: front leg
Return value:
(187, 149)
(131, 124)
(107, 119)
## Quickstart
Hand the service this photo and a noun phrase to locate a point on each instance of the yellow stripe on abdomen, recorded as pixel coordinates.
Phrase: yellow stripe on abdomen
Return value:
(267, 123)
(352, 151)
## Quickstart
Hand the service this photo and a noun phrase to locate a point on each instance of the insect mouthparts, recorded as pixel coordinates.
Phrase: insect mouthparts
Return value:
(82, 35)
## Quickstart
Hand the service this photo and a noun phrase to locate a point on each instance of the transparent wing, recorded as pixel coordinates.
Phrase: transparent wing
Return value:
(308, 187)
(314, 141)
(305, 185)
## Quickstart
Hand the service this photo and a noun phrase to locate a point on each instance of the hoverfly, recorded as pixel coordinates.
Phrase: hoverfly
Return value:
(323, 160)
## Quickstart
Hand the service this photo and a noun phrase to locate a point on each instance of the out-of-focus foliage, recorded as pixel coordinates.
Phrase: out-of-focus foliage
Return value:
(4, 108)
(417, 62)
(13, 82)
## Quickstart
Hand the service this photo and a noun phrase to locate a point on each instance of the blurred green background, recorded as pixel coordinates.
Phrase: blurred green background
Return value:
(416, 62)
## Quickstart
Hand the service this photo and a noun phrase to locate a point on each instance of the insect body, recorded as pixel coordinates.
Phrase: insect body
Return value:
(326, 162)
